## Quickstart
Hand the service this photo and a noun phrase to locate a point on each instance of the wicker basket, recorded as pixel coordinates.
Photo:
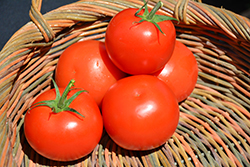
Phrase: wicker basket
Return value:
(214, 126)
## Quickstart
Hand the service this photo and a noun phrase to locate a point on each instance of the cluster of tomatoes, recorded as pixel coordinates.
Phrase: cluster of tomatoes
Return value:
(133, 81)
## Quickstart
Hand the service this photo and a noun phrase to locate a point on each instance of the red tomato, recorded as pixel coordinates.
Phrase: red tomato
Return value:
(140, 112)
(139, 48)
(181, 72)
(88, 64)
(64, 136)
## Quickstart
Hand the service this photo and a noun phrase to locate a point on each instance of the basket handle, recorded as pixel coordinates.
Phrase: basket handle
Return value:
(39, 20)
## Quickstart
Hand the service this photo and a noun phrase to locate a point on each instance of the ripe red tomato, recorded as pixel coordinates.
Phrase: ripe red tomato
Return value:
(140, 112)
(139, 48)
(64, 136)
(88, 64)
(181, 72)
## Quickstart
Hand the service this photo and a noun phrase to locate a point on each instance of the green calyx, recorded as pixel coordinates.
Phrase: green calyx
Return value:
(61, 103)
(151, 16)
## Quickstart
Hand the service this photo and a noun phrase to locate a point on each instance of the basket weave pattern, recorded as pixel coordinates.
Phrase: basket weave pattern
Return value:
(214, 126)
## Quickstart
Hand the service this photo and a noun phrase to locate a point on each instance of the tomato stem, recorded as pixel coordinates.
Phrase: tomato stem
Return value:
(61, 103)
(154, 10)
(152, 16)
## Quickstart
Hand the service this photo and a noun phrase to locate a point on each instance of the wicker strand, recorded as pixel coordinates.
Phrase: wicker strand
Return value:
(40, 22)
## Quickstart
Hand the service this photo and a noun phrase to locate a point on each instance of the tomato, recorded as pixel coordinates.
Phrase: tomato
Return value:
(181, 72)
(139, 47)
(88, 64)
(65, 135)
(140, 112)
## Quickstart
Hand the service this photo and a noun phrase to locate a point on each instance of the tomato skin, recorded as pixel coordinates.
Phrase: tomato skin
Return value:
(87, 62)
(138, 48)
(181, 72)
(64, 136)
(140, 112)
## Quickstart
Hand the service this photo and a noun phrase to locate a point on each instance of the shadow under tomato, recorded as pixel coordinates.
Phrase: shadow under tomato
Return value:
(106, 153)
(113, 155)
(32, 155)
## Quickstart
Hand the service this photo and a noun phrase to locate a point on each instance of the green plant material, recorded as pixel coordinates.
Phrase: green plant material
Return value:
(152, 16)
(61, 103)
